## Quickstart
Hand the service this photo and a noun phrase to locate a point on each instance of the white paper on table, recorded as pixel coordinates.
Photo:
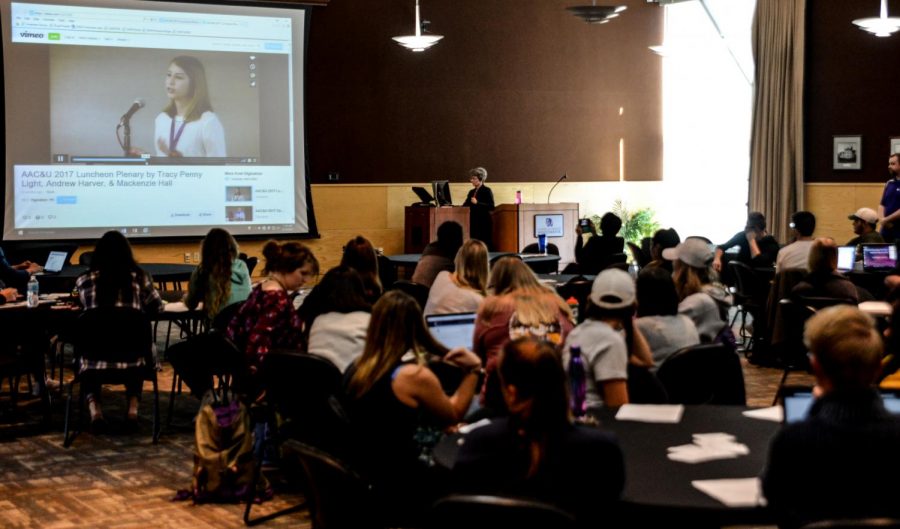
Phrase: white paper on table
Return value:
(466, 428)
(744, 492)
(658, 413)
(179, 306)
(876, 308)
(699, 454)
(772, 413)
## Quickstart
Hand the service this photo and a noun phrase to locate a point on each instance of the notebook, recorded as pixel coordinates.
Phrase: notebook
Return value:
(798, 401)
(846, 258)
(55, 262)
(879, 257)
(452, 330)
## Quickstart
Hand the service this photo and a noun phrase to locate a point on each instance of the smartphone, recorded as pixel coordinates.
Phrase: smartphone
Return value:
(584, 223)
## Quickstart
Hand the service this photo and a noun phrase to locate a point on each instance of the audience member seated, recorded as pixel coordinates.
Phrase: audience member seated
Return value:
(7, 294)
(267, 320)
(608, 340)
(336, 317)
(865, 224)
(756, 248)
(520, 306)
(115, 280)
(658, 320)
(703, 299)
(537, 452)
(390, 393)
(662, 239)
(16, 276)
(464, 289)
(828, 466)
(597, 253)
(221, 279)
(796, 254)
(359, 254)
(823, 279)
(438, 255)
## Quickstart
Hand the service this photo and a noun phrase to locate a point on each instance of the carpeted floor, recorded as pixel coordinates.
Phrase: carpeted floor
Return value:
(121, 480)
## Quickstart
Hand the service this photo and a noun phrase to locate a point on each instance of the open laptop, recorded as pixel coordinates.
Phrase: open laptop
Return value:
(798, 400)
(846, 258)
(452, 330)
(55, 263)
(425, 198)
(879, 257)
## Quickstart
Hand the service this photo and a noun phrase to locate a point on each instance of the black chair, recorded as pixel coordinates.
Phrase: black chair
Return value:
(865, 523)
(644, 387)
(703, 374)
(749, 298)
(223, 318)
(638, 255)
(387, 270)
(417, 291)
(497, 257)
(579, 288)
(301, 389)
(484, 512)
(251, 262)
(543, 268)
(85, 258)
(112, 335)
(338, 497)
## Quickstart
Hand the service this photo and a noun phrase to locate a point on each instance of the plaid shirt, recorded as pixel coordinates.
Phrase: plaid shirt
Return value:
(141, 296)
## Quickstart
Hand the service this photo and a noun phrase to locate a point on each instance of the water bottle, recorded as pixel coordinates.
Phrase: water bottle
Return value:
(518, 197)
(577, 382)
(573, 305)
(633, 270)
(32, 299)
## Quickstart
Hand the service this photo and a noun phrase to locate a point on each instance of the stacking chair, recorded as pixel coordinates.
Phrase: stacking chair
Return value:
(251, 262)
(477, 512)
(749, 297)
(112, 335)
(578, 287)
(644, 387)
(638, 255)
(418, 291)
(302, 390)
(703, 374)
(337, 496)
(543, 268)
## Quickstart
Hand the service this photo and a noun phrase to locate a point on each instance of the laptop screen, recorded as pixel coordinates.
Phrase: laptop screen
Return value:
(55, 262)
(879, 256)
(846, 258)
(798, 403)
(452, 330)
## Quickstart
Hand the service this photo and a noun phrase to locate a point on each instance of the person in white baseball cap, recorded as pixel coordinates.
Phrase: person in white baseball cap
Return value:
(865, 220)
(703, 299)
(608, 340)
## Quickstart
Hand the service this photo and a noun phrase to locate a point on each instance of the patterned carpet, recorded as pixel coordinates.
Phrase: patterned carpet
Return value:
(121, 480)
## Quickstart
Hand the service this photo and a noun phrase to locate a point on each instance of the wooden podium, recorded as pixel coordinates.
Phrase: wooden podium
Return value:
(421, 224)
(514, 227)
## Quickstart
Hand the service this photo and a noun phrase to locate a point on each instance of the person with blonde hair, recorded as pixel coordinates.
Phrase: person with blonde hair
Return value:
(825, 466)
(390, 392)
(268, 320)
(464, 289)
(519, 306)
(823, 279)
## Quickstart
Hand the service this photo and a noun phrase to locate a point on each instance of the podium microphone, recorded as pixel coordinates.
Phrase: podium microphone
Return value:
(561, 178)
(137, 105)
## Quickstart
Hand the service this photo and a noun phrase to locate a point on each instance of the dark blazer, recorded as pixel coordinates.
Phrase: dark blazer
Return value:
(481, 224)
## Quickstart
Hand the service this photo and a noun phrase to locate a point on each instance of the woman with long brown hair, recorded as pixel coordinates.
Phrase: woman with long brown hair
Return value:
(702, 298)
(360, 255)
(221, 279)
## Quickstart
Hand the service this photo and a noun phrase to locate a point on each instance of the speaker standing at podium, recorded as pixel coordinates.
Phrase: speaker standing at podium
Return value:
(480, 202)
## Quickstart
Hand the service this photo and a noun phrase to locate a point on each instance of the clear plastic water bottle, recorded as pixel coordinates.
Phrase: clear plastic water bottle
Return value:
(32, 299)
(577, 383)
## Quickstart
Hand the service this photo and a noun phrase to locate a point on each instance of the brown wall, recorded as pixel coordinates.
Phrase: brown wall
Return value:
(521, 87)
(852, 88)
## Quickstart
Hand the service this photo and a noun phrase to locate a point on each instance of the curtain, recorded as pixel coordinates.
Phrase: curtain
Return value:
(776, 145)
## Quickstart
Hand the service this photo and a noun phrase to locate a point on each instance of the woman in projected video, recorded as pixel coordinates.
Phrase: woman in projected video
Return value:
(187, 126)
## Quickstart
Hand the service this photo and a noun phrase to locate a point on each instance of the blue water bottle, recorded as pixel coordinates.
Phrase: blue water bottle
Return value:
(577, 383)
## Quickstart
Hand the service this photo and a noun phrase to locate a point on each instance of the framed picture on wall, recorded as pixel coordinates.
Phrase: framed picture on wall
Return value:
(847, 153)
(895, 144)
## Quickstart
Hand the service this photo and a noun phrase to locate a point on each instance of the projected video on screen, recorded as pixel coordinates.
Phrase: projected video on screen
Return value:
(154, 118)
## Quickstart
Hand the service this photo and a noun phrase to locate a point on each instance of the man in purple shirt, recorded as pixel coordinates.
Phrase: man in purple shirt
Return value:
(889, 209)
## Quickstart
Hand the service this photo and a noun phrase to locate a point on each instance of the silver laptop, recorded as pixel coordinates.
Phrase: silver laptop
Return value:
(452, 330)
(55, 262)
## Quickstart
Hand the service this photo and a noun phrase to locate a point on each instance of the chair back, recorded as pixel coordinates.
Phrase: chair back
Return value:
(644, 387)
(387, 270)
(338, 497)
(703, 374)
(226, 314)
(552, 249)
(302, 388)
(114, 335)
(865, 523)
(579, 288)
(750, 289)
(418, 291)
(251, 262)
(473, 511)
(543, 268)
(84, 258)
(641, 258)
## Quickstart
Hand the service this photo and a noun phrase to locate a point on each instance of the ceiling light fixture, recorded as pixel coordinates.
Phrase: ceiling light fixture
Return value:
(418, 42)
(882, 26)
(594, 14)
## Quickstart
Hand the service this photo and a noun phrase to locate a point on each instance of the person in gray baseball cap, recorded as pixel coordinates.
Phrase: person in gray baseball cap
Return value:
(703, 299)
